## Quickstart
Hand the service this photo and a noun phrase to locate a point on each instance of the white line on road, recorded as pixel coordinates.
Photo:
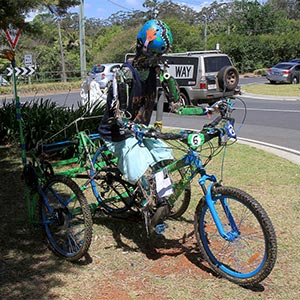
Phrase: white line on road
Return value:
(269, 109)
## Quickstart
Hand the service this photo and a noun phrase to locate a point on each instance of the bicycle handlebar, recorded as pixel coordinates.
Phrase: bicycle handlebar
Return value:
(163, 136)
(192, 138)
(222, 106)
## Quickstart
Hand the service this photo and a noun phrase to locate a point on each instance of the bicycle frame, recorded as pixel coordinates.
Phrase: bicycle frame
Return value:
(85, 148)
(34, 176)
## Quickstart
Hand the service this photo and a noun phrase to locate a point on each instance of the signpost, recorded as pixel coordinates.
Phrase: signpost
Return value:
(12, 33)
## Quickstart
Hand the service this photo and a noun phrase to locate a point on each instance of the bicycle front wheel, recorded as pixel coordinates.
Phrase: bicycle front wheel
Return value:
(250, 256)
(66, 218)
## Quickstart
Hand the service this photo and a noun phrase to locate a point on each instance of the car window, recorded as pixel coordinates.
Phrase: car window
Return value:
(283, 66)
(98, 69)
(215, 63)
(297, 68)
(113, 68)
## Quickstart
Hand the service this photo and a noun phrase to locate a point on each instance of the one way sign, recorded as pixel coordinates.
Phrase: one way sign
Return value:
(22, 71)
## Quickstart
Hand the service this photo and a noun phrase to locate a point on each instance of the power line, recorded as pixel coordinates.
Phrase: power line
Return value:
(117, 4)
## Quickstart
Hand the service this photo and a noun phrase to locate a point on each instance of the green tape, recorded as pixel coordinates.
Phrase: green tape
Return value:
(191, 111)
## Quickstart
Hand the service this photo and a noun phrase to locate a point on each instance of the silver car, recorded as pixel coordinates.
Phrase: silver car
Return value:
(103, 73)
(295, 60)
(284, 72)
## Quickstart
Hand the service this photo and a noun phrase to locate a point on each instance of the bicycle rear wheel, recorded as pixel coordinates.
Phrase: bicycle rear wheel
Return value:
(182, 201)
(250, 256)
(113, 193)
(179, 202)
(66, 218)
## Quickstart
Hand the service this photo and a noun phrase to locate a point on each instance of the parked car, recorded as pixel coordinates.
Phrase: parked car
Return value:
(295, 60)
(284, 72)
(103, 73)
(202, 76)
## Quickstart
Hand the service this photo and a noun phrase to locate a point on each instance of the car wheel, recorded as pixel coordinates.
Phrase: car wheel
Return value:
(272, 82)
(294, 80)
(184, 99)
(228, 78)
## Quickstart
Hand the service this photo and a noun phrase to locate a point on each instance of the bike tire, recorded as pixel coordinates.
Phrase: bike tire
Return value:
(112, 192)
(66, 219)
(249, 258)
(182, 202)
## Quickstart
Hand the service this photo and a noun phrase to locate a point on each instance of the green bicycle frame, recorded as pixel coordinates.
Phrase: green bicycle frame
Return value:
(34, 178)
(191, 165)
(83, 156)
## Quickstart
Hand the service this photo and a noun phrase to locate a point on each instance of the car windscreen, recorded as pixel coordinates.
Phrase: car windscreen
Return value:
(283, 66)
(98, 69)
(215, 63)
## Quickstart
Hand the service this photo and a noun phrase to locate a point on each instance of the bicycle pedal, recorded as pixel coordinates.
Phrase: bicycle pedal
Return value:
(160, 228)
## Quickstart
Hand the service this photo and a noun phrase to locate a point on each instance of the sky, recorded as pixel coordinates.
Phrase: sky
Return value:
(102, 9)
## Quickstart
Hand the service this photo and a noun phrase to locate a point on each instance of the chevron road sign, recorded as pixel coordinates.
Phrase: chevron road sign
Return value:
(21, 71)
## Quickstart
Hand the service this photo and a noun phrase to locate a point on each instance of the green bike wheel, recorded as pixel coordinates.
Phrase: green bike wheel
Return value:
(180, 203)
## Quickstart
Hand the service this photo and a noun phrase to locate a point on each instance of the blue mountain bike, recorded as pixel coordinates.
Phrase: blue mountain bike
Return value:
(234, 233)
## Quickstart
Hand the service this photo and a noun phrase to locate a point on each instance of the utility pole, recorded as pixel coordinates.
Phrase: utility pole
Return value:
(53, 9)
(82, 41)
(63, 67)
(205, 32)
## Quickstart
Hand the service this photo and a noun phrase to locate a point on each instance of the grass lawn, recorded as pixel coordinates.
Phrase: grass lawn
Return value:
(289, 90)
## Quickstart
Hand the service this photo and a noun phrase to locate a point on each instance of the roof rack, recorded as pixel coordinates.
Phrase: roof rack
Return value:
(188, 53)
(195, 52)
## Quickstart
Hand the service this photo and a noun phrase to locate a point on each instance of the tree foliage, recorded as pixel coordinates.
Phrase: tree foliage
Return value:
(14, 11)
(291, 8)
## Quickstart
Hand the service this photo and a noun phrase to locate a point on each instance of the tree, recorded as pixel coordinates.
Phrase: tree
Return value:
(152, 6)
(291, 8)
(252, 18)
(15, 11)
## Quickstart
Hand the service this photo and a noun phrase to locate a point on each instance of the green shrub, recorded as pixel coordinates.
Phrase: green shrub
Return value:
(43, 120)
(260, 72)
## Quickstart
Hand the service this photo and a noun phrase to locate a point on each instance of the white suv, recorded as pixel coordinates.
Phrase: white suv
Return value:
(203, 76)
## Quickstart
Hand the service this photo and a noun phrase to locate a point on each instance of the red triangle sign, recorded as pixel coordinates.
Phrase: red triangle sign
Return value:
(13, 36)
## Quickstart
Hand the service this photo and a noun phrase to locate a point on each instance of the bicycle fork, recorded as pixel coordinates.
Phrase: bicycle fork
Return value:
(57, 215)
(234, 232)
